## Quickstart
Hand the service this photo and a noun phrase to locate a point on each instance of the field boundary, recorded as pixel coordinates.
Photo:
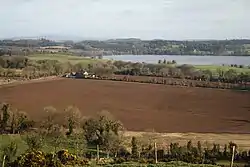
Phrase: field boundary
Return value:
(118, 79)
(164, 139)
(37, 80)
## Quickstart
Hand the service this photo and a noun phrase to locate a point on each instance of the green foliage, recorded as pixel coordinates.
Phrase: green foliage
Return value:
(166, 47)
(134, 46)
(119, 160)
(97, 130)
(199, 148)
(31, 159)
(197, 73)
(43, 65)
(5, 117)
(34, 141)
(13, 121)
(164, 61)
(17, 62)
(134, 144)
(113, 142)
(52, 160)
(49, 120)
(189, 146)
(9, 151)
(168, 164)
(69, 159)
(186, 153)
(23, 122)
(78, 142)
(73, 117)
(106, 132)
(35, 158)
(55, 137)
(173, 62)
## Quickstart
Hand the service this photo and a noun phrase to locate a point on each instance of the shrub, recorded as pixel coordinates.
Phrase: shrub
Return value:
(67, 158)
(134, 144)
(143, 161)
(103, 161)
(52, 160)
(34, 141)
(39, 159)
(150, 161)
(36, 159)
(120, 160)
(31, 159)
(9, 151)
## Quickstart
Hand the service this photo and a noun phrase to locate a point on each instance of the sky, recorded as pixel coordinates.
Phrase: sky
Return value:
(145, 19)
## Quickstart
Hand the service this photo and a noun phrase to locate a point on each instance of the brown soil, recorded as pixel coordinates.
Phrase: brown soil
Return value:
(4, 81)
(141, 107)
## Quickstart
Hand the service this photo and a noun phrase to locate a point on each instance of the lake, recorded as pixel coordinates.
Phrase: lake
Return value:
(194, 60)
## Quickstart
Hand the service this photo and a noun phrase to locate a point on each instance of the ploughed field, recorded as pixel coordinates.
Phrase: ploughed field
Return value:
(140, 107)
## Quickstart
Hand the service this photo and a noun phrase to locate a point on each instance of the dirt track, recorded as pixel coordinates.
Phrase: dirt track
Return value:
(140, 107)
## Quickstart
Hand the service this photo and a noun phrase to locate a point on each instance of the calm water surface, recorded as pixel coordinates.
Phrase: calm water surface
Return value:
(195, 60)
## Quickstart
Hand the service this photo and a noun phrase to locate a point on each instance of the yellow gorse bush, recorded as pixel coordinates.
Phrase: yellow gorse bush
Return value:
(40, 159)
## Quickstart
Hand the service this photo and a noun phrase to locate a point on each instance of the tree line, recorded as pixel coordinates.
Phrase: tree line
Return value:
(181, 72)
(102, 133)
(168, 47)
(22, 67)
(142, 47)
(164, 72)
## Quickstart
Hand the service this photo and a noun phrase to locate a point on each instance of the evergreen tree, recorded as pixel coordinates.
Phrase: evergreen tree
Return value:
(164, 61)
(189, 146)
(5, 116)
(199, 148)
(135, 152)
(225, 152)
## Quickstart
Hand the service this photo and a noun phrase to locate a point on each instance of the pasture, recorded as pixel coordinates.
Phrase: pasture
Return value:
(214, 68)
(63, 58)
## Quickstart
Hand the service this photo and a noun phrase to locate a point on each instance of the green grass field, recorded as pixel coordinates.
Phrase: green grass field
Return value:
(227, 163)
(68, 144)
(48, 148)
(63, 58)
(6, 139)
(214, 68)
(166, 164)
(47, 145)
(22, 146)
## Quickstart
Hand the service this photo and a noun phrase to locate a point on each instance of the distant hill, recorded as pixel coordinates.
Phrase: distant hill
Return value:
(124, 40)
(136, 46)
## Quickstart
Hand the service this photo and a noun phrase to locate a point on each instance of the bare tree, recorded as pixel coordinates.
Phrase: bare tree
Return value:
(49, 120)
(73, 117)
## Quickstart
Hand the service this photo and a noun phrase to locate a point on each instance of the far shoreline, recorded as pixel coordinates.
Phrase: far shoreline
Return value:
(175, 55)
(195, 60)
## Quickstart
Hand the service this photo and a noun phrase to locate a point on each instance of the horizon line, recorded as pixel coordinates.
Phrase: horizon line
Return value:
(117, 38)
